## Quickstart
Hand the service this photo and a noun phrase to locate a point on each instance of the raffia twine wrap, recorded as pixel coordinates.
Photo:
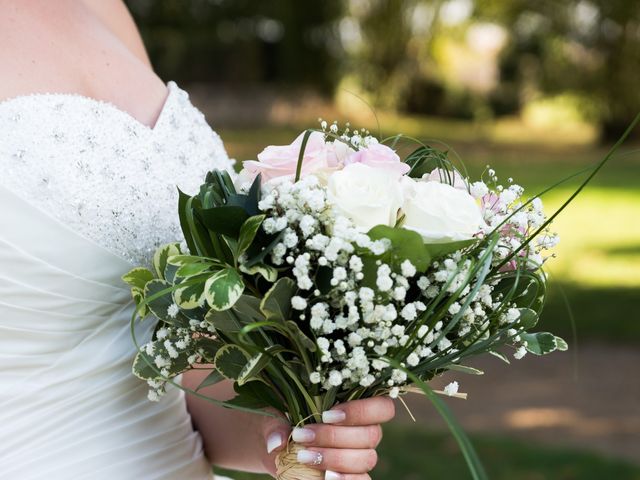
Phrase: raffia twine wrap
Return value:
(288, 467)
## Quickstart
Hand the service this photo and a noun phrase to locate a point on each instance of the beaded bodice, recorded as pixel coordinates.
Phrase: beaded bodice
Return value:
(103, 173)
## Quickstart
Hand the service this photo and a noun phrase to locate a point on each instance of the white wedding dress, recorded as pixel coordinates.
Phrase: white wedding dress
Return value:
(87, 192)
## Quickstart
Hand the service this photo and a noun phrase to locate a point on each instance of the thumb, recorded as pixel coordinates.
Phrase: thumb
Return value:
(275, 432)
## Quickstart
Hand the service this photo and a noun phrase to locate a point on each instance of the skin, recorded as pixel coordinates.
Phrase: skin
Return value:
(93, 48)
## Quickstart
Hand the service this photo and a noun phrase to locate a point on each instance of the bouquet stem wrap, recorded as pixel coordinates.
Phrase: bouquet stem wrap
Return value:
(288, 467)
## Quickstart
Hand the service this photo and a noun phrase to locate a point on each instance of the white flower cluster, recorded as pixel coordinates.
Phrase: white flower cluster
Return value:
(504, 208)
(361, 138)
(172, 351)
(357, 320)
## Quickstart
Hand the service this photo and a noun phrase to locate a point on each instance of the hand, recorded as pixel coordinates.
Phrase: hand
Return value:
(343, 445)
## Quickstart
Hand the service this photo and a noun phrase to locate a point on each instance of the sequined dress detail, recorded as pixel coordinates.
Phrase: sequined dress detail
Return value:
(86, 192)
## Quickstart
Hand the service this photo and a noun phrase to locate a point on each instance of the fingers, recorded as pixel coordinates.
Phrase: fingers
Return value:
(329, 475)
(275, 432)
(342, 460)
(322, 435)
(369, 411)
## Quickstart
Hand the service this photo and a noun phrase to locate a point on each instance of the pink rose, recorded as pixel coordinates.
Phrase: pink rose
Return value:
(449, 177)
(379, 156)
(282, 160)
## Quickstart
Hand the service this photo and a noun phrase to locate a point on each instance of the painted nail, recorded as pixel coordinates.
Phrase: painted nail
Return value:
(274, 440)
(333, 416)
(309, 457)
(303, 435)
(329, 475)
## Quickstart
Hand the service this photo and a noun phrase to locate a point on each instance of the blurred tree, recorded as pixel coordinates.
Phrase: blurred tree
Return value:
(589, 47)
(240, 41)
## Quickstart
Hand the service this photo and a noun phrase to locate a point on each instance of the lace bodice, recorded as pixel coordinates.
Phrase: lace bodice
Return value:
(103, 173)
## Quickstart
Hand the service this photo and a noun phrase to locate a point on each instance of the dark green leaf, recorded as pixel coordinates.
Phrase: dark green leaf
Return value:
(300, 336)
(214, 377)
(276, 304)
(225, 220)
(159, 305)
(248, 233)
(405, 245)
(539, 343)
(269, 273)
(528, 318)
(142, 369)
(253, 367)
(230, 360)
(161, 256)
(223, 289)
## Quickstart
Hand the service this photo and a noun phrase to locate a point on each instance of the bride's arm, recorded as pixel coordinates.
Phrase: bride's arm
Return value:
(241, 441)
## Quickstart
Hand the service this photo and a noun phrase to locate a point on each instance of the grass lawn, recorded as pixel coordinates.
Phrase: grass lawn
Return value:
(411, 453)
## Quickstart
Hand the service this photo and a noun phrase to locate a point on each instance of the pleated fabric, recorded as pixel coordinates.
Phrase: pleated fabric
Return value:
(69, 406)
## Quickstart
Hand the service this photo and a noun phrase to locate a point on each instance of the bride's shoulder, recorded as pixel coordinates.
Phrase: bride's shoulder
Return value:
(50, 46)
(32, 44)
(115, 15)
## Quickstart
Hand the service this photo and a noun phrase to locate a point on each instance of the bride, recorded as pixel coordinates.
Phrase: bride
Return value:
(92, 146)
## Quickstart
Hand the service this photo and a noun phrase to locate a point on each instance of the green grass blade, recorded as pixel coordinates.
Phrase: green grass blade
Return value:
(471, 457)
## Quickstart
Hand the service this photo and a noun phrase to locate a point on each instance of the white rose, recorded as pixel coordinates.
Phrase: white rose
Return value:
(440, 212)
(369, 196)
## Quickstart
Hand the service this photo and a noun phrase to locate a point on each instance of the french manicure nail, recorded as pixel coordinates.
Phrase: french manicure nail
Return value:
(309, 457)
(329, 475)
(303, 435)
(274, 440)
(333, 416)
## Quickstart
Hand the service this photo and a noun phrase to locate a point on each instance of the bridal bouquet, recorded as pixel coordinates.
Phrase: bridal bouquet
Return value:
(331, 269)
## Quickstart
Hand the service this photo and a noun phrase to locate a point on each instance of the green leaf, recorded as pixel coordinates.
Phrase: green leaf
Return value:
(561, 344)
(141, 367)
(438, 250)
(425, 159)
(405, 245)
(269, 273)
(227, 321)
(138, 277)
(473, 462)
(269, 242)
(258, 393)
(159, 305)
(300, 336)
(276, 304)
(138, 297)
(499, 355)
(247, 401)
(225, 220)
(161, 256)
(184, 206)
(223, 289)
(209, 347)
(192, 296)
(464, 369)
(248, 233)
(191, 269)
(248, 307)
(230, 360)
(253, 367)
(214, 377)
(528, 318)
(539, 343)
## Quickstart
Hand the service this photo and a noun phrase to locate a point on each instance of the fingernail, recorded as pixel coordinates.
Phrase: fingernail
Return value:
(309, 457)
(274, 440)
(329, 475)
(333, 416)
(303, 435)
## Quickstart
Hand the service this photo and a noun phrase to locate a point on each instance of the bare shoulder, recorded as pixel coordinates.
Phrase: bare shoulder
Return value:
(116, 16)
(90, 47)
(32, 47)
